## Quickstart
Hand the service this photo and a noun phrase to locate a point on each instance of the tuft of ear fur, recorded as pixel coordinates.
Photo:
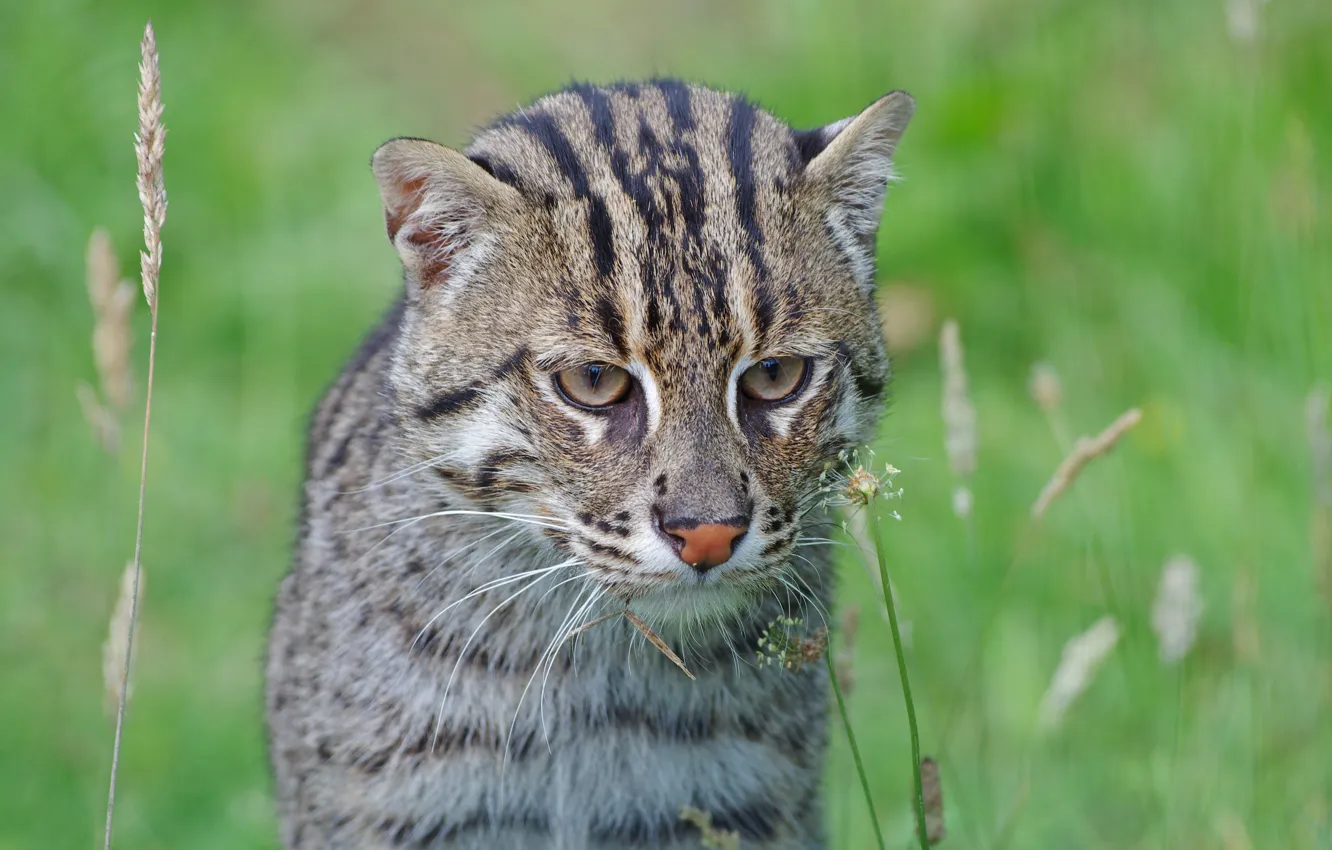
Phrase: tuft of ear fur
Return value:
(852, 161)
(441, 209)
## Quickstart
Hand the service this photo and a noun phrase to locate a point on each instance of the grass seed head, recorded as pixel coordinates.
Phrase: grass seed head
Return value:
(114, 657)
(1177, 609)
(959, 414)
(1081, 657)
(1084, 452)
(149, 147)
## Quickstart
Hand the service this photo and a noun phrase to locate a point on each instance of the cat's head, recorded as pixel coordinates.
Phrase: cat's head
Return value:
(646, 314)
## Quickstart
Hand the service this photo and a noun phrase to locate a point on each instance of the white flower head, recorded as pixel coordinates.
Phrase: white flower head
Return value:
(853, 482)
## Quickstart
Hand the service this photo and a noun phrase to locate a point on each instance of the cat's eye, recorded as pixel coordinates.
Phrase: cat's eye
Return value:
(774, 379)
(594, 384)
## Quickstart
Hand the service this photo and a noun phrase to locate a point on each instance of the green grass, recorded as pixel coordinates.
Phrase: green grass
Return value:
(1124, 190)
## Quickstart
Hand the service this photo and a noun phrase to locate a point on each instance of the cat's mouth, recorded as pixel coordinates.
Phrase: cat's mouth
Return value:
(728, 585)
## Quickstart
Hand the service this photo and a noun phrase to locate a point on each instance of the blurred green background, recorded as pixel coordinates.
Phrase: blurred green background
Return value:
(1136, 193)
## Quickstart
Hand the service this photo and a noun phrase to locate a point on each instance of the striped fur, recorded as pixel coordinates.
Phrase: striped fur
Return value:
(422, 691)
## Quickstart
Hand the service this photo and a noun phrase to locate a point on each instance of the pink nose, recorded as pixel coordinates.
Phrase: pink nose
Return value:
(708, 544)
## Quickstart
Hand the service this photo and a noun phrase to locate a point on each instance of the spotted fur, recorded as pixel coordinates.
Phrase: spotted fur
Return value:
(462, 519)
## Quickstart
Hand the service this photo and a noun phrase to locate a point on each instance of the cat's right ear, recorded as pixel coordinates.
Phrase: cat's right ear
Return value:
(439, 208)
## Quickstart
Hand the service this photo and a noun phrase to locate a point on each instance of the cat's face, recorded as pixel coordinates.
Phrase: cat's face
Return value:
(645, 316)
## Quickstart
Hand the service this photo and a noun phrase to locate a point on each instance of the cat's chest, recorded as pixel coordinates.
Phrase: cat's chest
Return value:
(608, 749)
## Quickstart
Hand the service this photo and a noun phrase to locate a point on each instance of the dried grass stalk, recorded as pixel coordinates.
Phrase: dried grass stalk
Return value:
(1177, 609)
(115, 661)
(1085, 450)
(959, 415)
(656, 641)
(149, 145)
(575, 632)
(1077, 665)
(933, 791)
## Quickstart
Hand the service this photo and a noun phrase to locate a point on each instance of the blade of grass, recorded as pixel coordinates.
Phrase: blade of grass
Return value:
(851, 739)
(921, 831)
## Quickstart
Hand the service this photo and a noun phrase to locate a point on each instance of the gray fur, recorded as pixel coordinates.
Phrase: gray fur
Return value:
(682, 234)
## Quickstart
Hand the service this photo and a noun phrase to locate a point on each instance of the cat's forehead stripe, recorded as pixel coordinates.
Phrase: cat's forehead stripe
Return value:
(545, 129)
(693, 165)
(740, 154)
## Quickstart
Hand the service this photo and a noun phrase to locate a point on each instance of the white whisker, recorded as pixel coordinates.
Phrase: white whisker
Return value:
(531, 519)
(815, 604)
(572, 618)
(462, 654)
(471, 568)
(488, 586)
(405, 472)
(822, 541)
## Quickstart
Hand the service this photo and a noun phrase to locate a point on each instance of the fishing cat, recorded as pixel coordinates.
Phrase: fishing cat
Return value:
(637, 323)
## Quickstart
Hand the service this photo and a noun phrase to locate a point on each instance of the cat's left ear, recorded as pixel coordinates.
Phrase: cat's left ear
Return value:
(851, 162)
(440, 208)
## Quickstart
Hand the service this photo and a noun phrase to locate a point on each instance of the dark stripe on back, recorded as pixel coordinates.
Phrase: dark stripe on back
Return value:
(543, 127)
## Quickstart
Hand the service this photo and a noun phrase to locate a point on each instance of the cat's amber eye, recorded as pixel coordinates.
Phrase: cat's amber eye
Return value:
(774, 379)
(594, 384)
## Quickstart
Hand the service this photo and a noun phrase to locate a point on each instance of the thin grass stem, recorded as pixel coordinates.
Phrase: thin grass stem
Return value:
(855, 750)
(148, 146)
(134, 593)
(921, 832)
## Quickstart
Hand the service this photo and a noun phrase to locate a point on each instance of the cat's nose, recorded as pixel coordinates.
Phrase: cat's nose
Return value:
(704, 545)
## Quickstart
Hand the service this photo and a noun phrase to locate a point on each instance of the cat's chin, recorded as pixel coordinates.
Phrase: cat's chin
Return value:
(692, 604)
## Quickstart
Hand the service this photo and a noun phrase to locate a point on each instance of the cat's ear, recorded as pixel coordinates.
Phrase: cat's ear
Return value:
(851, 161)
(440, 208)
